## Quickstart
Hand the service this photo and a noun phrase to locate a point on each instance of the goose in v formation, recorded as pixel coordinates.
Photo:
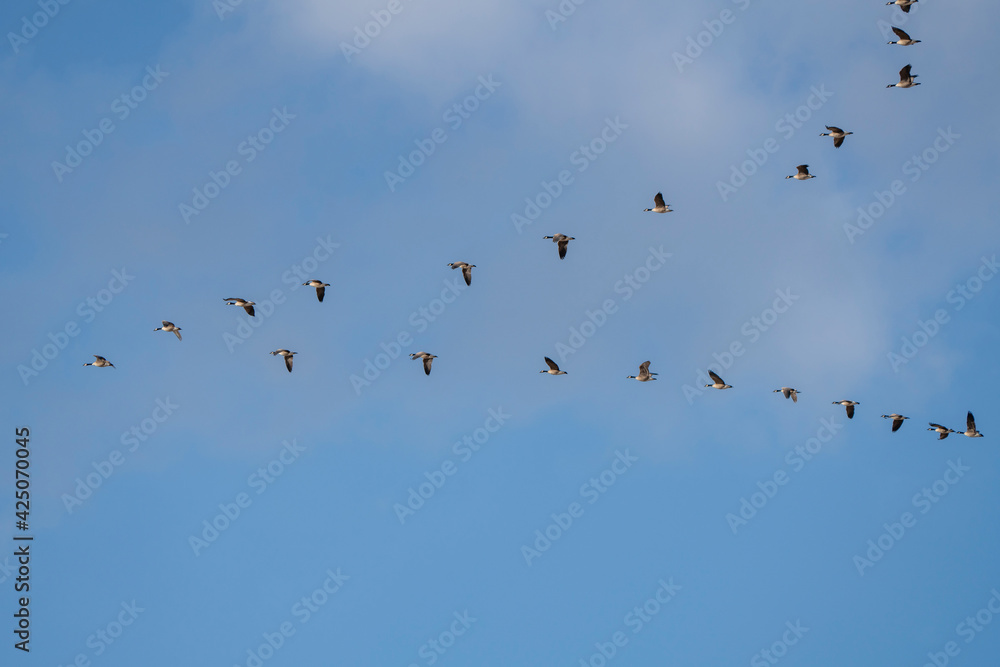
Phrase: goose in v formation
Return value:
(243, 303)
(643, 376)
(320, 288)
(897, 420)
(466, 270)
(100, 362)
(428, 359)
(658, 205)
(288, 357)
(563, 241)
(170, 326)
(553, 368)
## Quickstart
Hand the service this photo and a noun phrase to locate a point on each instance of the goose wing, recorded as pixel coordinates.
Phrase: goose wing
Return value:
(970, 422)
(320, 293)
(850, 412)
(904, 73)
(551, 364)
(658, 199)
(896, 423)
(715, 377)
(899, 33)
(427, 364)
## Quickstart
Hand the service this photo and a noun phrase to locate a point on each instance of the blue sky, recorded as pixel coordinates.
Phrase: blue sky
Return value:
(198, 502)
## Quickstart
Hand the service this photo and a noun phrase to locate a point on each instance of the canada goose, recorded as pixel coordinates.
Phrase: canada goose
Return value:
(659, 206)
(906, 80)
(904, 39)
(643, 376)
(466, 270)
(320, 288)
(553, 368)
(428, 359)
(803, 173)
(563, 241)
(849, 405)
(169, 326)
(970, 426)
(288, 358)
(100, 362)
(941, 430)
(246, 305)
(837, 134)
(897, 420)
(788, 392)
(903, 4)
(719, 384)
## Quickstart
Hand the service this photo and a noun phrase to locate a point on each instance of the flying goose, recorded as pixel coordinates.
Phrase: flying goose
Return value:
(320, 288)
(906, 80)
(904, 39)
(563, 241)
(788, 392)
(659, 206)
(643, 376)
(719, 384)
(970, 426)
(288, 358)
(554, 368)
(941, 430)
(903, 4)
(837, 134)
(246, 305)
(100, 362)
(849, 405)
(802, 174)
(170, 326)
(897, 420)
(466, 270)
(428, 359)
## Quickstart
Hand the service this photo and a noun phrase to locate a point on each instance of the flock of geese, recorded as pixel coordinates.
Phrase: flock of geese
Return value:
(906, 80)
